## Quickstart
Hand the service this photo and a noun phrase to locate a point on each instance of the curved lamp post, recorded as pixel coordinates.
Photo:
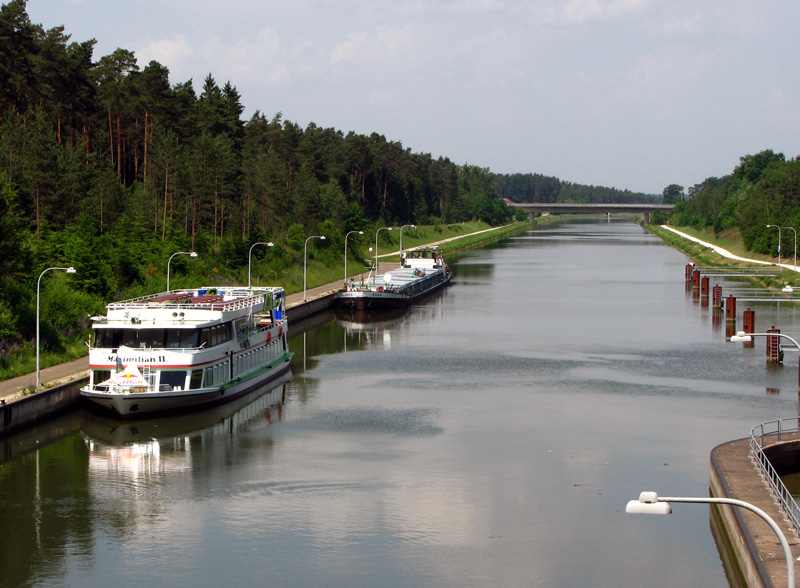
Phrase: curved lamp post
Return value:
(189, 253)
(69, 270)
(376, 246)
(779, 241)
(345, 253)
(652, 503)
(401, 237)
(250, 258)
(742, 337)
(305, 249)
(795, 245)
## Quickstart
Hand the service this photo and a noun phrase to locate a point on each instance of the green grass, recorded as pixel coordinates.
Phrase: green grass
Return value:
(733, 242)
(319, 273)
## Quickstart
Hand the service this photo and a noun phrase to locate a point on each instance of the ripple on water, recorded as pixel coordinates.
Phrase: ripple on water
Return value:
(405, 422)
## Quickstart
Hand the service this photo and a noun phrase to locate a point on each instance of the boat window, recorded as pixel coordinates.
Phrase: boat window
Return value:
(173, 379)
(197, 379)
(216, 335)
(137, 338)
(99, 376)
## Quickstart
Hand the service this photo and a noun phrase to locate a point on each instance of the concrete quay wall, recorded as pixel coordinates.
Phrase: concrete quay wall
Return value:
(29, 410)
(20, 413)
(750, 549)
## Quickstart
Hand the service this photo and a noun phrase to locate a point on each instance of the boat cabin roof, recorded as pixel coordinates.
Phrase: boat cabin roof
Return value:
(192, 305)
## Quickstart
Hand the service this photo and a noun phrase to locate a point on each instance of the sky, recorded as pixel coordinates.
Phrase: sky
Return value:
(630, 94)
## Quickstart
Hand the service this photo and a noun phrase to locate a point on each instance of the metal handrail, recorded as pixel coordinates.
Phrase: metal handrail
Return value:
(777, 429)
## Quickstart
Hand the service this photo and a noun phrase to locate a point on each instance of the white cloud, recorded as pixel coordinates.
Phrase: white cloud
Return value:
(386, 44)
(167, 52)
(239, 61)
(583, 11)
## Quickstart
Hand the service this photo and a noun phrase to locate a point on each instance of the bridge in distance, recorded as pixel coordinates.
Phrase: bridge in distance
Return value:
(594, 208)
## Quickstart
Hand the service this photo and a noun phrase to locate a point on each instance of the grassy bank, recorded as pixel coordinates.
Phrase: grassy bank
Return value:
(291, 278)
(730, 240)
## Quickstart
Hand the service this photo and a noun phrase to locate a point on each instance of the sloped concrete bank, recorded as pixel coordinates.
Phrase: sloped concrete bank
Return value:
(750, 550)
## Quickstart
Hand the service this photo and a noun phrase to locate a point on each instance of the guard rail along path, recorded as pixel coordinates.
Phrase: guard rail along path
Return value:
(783, 433)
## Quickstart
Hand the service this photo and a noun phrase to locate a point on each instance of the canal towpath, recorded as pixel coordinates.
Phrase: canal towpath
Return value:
(15, 387)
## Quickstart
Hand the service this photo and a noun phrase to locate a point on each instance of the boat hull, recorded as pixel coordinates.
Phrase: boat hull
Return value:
(378, 298)
(146, 404)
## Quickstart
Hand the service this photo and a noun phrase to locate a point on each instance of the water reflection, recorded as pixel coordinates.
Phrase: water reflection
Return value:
(488, 436)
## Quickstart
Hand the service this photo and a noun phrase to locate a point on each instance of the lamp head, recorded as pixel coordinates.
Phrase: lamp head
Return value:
(648, 504)
(71, 270)
(193, 254)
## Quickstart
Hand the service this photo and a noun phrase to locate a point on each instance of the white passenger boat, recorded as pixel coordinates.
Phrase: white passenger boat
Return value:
(421, 272)
(186, 349)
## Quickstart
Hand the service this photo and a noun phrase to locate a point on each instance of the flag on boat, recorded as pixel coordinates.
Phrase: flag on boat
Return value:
(130, 376)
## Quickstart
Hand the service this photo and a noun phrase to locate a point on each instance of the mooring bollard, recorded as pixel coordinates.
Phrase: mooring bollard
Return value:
(774, 353)
(730, 308)
(704, 286)
(749, 325)
(689, 270)
(696, 278)
(716, 296)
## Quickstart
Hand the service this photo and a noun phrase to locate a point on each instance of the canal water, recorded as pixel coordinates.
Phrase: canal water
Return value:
(489, 436)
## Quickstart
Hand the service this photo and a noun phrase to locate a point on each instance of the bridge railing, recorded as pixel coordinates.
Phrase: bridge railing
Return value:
(775, 432)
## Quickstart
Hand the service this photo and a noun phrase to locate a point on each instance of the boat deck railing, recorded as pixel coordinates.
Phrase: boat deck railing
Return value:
(772, 432)
(183, 300)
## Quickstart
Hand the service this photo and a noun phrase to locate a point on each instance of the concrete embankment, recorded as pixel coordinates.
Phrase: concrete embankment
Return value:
(20, 410)
(750, 548)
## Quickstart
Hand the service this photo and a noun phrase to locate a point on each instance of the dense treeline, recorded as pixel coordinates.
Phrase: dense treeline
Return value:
(764, 189)
(540, 188)
(109, 167)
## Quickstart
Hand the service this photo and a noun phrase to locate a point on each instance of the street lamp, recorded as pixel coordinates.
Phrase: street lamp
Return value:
(376, 246)
(345, 253)
(779, 241)
(652, 503)
(795, 245)
(190, 254)
(742, 337)
(401, 237)
(69, 270)
(305, 249)
(250, 257)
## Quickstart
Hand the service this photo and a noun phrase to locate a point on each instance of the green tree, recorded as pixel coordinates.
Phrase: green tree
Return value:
(673, 194)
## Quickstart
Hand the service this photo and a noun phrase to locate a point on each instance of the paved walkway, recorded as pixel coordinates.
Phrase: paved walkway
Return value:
(725, 253)
(10, 389)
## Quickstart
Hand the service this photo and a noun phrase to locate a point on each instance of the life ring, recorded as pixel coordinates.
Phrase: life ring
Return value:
(269, 336)
(380, 288)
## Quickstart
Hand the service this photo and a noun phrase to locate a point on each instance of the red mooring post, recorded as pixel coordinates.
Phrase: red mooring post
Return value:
(749, 321)
(749, 325)
(716, 296)
(689, 270)
(704, 286)
(730, 308)
(696, 278)
(774, 353)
